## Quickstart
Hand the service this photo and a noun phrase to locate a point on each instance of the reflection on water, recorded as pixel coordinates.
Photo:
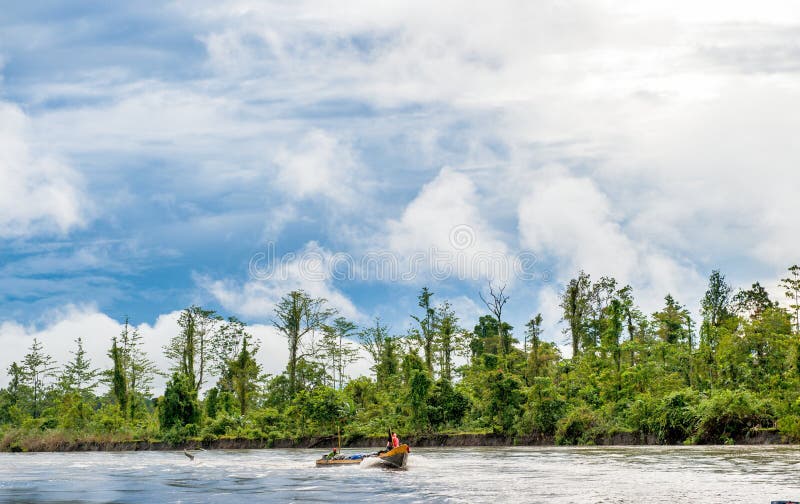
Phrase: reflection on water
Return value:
(553, 475)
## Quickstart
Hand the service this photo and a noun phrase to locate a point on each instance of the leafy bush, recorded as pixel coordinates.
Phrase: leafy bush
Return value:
(728, 413)
(543, 409)
(676, 419)
(580, 426)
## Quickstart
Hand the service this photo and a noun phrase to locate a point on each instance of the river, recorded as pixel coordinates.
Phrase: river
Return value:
(502, 475)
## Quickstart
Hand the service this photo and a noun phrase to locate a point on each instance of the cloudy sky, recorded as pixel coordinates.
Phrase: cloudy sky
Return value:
(157, 154)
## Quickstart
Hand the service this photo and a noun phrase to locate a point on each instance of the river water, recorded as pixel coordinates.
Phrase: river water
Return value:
(502, 475)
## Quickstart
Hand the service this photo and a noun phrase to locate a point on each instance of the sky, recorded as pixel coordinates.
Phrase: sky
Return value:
(155, 155)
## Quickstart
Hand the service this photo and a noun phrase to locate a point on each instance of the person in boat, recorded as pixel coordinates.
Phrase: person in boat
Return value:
(331, 455)
(395, 440)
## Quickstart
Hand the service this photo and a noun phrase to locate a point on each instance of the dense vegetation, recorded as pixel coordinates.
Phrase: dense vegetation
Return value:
(734, 372)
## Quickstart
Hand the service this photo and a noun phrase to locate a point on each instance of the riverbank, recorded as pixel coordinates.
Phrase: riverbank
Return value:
(64, 444)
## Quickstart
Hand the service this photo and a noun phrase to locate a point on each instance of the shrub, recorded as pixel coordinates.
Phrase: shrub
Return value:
(728, 414)
(676, 419)
(580, 426)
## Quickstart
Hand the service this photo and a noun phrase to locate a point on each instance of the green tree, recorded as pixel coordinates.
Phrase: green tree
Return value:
(448, 338)
(670, 322)
(337, 351)
(576, 305)
(753, 301)
(139, 369)
(296, 315)
(426, 333)
(495, 302)
(179, 406)
(119, 380)
(418, 390)
(246, 374)
(190, 350)
(533, 333)
(792, 286)
(715, 306)
(78, 374)
(38, 368)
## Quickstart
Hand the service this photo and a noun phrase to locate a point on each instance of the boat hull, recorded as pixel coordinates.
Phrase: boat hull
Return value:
(337, 462)
(396, 457)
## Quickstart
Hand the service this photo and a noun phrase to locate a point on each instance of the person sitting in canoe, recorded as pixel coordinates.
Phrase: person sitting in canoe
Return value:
(331, 455)
(395, 440)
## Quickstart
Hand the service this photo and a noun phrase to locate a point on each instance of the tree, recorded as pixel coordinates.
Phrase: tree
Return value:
(426, 332)
(753, 301)
(575, 306)
(245, 373)
(715, 306)
(16, 386)
(119, 381)
(139, 369)
(418, 390)
(496, 301)
(337, 351)
(190, 350)
(296, 315)
(792, 286)
(373, 340)
(448, 338)
(226, 346)
(669, 322)
(38, 367)
(534, 330)
(179, 406)
(78, 374)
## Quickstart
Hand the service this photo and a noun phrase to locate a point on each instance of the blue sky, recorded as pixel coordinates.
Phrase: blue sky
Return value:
(151, 149)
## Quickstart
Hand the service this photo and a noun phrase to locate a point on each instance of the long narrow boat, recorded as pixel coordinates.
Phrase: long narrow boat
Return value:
(396, 457)
(339, 461)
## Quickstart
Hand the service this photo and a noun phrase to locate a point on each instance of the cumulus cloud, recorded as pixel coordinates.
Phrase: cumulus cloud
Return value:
(309, 269)
(39, 193)
(571, 219)
(445, 228)
(320, 165)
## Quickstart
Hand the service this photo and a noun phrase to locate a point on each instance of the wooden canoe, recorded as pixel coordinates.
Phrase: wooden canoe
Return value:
(396, 457)
(333, 462)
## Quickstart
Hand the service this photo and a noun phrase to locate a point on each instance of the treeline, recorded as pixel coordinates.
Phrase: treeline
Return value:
(731, 373)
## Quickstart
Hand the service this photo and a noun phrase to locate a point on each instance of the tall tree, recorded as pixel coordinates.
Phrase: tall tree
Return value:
(792, 286)
(296, 315)
(225, 346)
(78, 373)
(533, 332)
(575, 306)
(16, 384)
(337, 350)
(670, 322)
(753, 301)
(119, 382)
(449, 338)
(139, 369)
(715, 306)
(245, 374)
(190, 350)
(38, 368)
(426, 331)
(495, 301)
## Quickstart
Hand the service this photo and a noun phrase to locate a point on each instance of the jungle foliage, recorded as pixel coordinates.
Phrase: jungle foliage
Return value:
(667, 377)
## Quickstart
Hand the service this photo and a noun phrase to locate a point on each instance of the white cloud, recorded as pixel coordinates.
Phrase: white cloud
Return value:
(445, 225)
(320, 165)
(571, 219)
(38, 193)
(273, 278)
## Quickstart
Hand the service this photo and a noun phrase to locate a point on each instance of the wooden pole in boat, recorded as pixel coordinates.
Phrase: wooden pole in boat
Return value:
(339, 435)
